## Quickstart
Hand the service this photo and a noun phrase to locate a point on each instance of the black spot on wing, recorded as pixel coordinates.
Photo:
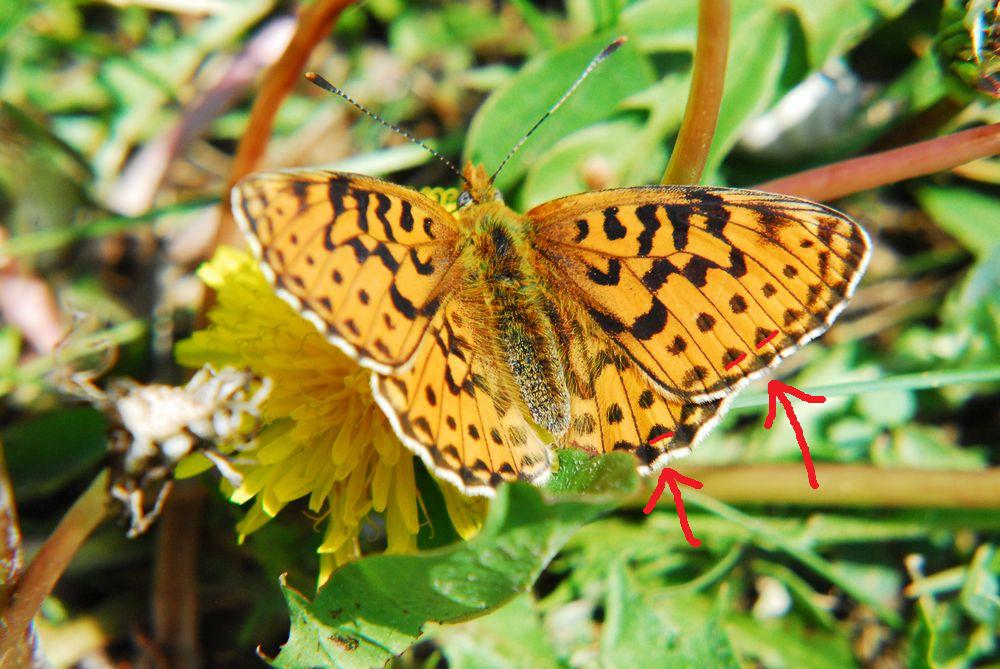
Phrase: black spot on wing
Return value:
(696, 270)
(647, 216)
(361, 251)
(658, 273)
(607, 322)
(382, 253)
(361, 198)
(680, 219)
(406, 217)
(402, 304)
(384, 205)
(650, 323)
(613, 228)
(423, 268)
(609, 278)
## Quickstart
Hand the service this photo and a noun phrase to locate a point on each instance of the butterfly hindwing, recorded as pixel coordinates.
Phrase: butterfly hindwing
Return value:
(366, 260)
(616, 408)
(457, 408)
(702, 288)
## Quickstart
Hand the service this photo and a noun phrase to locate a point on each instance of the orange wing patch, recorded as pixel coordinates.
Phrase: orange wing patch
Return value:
(368, 262)
(457, 408)
(703, 288)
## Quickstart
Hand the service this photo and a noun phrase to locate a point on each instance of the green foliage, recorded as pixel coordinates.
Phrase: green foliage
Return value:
(377, 607)
(573, 575)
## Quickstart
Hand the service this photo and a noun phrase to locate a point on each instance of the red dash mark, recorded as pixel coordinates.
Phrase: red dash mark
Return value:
(737, 360)
(766, 339)
(665, 435)
(672, 477)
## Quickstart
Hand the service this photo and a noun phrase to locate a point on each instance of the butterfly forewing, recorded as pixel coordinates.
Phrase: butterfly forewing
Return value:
(367, 261)
(703, 288)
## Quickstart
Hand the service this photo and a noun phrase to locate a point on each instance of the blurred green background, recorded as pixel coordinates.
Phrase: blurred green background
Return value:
(117, 129)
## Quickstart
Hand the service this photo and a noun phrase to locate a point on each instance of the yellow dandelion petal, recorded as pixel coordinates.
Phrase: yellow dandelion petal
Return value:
(466, 513)
(326, 440)
(380, 488)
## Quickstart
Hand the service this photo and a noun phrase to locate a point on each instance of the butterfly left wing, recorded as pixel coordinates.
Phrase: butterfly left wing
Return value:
(457, 407)
(702, 288)
(368, 262)
(615, 407)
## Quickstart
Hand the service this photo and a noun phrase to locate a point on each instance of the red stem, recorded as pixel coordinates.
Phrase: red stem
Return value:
(858, 174)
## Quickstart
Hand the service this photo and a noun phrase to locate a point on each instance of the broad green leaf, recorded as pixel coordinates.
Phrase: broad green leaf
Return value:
(926, 447)
(509, 638)
(510, 112)
(621, 151)
(580, 472)
(44, 453)
(752, 81)
(971, 216)
(831, 27)
(375, 608)
(644, 630)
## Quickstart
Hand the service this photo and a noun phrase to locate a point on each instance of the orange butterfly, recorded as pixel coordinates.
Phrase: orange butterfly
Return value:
(622, 319)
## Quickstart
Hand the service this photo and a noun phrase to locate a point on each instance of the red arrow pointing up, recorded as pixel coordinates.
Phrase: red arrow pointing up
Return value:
(776, 390)
(672, 477)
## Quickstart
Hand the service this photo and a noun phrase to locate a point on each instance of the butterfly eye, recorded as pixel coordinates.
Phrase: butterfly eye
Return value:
(464, 198)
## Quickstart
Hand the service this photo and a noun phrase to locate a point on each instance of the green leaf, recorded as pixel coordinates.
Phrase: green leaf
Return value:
(970, 216)
(664, 631)
(621, 149)
(580, 472)
(831, 28)
(509, 638)
(513, 110)
(752, 81)
(375, 608)
(981, 594)
(46, 452)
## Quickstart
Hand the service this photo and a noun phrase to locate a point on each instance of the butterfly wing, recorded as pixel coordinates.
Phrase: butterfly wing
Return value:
(615, 407)
(456, 407)
(368, 262)
(703, 288)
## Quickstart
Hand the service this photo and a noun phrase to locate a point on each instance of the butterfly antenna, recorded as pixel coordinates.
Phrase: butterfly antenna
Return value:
(327, 86)
(598, 59)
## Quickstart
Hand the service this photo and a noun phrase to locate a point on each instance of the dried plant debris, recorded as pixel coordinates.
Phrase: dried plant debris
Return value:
(155, 426)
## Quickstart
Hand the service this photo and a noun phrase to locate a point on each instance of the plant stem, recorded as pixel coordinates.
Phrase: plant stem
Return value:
(701, 112)
(846, 486)
(764, 532)
(857, 174)
(917, 381)
(48, 565)
(315, 23)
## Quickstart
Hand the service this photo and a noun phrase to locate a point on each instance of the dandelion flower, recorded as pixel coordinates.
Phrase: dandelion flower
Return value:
(325, 439)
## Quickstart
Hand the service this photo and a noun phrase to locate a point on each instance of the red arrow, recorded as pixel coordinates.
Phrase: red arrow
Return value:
(672, 477)
(776, 390)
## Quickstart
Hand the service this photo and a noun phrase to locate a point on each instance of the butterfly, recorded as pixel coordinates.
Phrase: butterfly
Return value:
(615, 320)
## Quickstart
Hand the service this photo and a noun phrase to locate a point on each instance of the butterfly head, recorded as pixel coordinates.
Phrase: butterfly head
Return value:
(478, 187)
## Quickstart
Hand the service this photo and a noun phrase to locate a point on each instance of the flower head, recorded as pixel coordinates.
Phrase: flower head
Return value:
(325, 438)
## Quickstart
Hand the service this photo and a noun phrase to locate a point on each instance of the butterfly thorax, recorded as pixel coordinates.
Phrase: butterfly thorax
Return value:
(500, 274)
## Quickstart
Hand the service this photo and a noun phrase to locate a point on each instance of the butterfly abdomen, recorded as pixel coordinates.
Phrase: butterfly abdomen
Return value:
(525, 335)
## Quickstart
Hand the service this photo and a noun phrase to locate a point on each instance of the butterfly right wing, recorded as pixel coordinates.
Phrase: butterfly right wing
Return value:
(457, 407)
(370, 263)
(705, 289)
